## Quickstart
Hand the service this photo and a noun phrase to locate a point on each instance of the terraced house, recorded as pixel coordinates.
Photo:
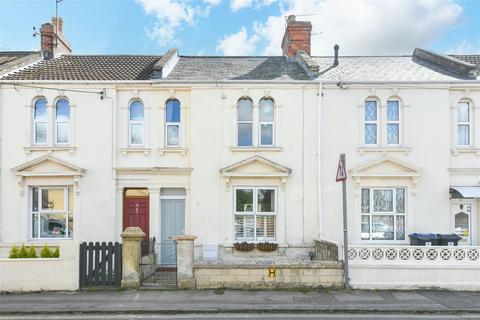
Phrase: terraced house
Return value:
(245, 149)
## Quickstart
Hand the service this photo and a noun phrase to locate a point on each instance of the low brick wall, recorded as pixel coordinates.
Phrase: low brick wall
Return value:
(314, 274)
(39, 274)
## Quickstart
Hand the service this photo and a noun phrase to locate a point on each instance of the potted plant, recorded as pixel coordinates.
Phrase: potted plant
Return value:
(244, 246)
(267, 246)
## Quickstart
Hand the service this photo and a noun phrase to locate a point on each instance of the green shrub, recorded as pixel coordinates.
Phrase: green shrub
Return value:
(23, 253)
(56, 253)
(32, 253)
(46, 252)
(13, 252)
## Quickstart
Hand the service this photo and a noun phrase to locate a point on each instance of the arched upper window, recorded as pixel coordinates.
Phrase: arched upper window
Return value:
(266, 122)
(136, 123)
(40, 121)
(172, 123)
(371, 122)
(62, 121)
(393, 122)
(244, 122)
(464, 124)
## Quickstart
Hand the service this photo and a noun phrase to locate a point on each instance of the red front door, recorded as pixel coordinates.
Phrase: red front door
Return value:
(135, 213)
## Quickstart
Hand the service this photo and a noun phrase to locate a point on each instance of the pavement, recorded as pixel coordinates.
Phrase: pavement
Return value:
(164, 302)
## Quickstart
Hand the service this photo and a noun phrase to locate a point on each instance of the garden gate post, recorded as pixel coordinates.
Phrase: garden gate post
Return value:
(131, 255)
(185, 278)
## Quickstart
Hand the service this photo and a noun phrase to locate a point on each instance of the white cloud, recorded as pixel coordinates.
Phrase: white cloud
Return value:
(360, 26)
(238, 44)
(171, 15)
(236, 5)
(465, 47)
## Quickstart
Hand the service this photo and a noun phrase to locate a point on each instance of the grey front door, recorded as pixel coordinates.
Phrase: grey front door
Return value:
(172, 224)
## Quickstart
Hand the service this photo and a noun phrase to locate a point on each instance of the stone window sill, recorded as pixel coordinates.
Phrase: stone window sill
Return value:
(256, 149)
(182, 151)
(384, 150)
(49, 149)
(457, 151)
(128, 150)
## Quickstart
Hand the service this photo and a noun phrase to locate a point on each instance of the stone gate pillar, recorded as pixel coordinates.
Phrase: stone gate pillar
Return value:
(131, 255)
(185, 279)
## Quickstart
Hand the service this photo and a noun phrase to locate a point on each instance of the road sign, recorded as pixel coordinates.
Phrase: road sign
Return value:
(341, 171)
(342, 176)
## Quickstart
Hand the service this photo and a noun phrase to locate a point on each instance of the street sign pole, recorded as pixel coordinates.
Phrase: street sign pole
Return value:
(342, 176)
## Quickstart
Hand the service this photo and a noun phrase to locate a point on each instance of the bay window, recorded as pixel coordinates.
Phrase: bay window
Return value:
(51, 212)
(172, 123)
(383, 213)
(255, 214)
(463, 124)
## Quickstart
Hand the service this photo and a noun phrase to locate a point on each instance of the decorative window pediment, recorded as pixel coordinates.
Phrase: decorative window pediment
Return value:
(387, 167)
(256, 167)
(48, 166)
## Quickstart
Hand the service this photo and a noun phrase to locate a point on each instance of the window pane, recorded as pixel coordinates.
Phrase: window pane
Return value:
(266, 200)
(365, 227)
(400, 198)
(244, 110)
(463, 135)
(41, 132)
(382, 228)
(393, 133)
(136, 111)
(463, 112)
(266, 110)
(266, 138)
(34, 199)
(365, 200)
(70, 225)
(244, 199)
(400, 228)
(52, 225)
(239, 227)
(393, 111)
(265, 228)
(35, 225)
(173, 111)
(53, 199)
(370, 134)
(62, 132)
(70, 199)
(383, 201)
(173, 135)
(63, 110)
(244, 228)
(370, 111)
(136, 133)
(41, 110)
(244, 134)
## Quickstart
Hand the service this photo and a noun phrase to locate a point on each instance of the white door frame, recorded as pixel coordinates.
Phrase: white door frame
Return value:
(472, 221)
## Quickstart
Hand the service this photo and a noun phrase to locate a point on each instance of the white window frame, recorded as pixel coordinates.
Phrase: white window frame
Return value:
(398, 122)
(244, 122)
(35, 122)
(254, 213)
(465, 123)
(178, 124)
(260, 122)
(136, 122)
(62, 121)
(393, 213)
(375, 122)
(68, 211)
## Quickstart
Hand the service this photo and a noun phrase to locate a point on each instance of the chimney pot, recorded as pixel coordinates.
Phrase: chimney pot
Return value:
(297, 37)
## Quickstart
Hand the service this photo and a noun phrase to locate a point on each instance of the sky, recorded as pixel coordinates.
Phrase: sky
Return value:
(246, 27)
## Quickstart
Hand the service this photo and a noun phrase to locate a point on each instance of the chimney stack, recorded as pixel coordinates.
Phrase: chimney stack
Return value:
(297, 37)
(53, 43)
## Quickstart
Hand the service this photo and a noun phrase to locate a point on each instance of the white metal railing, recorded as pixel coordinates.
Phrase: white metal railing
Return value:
(409, 254)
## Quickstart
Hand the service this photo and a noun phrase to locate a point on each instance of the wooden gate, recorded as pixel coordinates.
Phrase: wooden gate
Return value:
(100, 264)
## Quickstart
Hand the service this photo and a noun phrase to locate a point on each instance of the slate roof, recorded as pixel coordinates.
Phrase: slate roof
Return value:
(471, 58)
(382, 68)
(89, 67)
(7, 56)
(138, 67)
